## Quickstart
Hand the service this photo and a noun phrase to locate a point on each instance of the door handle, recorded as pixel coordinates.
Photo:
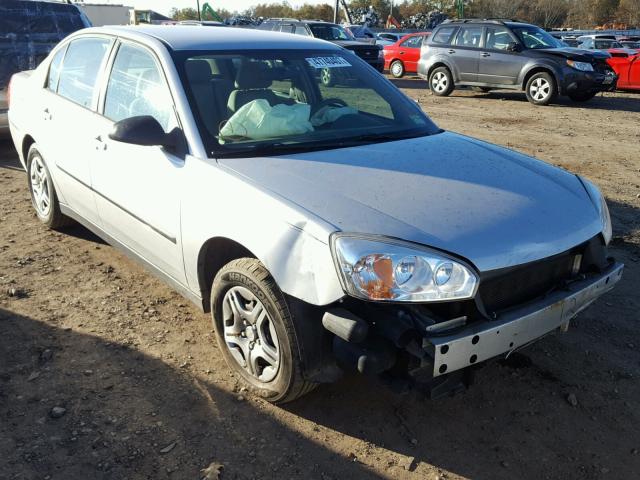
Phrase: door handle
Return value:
(485, 54)
(451, 50)
(100, 144)
(46, 114)
(401, 53)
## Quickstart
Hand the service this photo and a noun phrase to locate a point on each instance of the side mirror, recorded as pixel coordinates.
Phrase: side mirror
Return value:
(146, 131)
(514, 47)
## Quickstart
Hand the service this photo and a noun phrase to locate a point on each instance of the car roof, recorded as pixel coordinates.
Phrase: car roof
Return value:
(194, 37)
(485, 21)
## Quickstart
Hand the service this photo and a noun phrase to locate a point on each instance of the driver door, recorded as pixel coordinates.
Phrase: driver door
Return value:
(138, 188)
(497, 65)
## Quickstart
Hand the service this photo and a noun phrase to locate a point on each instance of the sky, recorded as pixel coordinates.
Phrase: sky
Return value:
(164, 6)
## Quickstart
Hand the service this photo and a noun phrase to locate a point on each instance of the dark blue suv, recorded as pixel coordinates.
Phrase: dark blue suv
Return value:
(503, 54)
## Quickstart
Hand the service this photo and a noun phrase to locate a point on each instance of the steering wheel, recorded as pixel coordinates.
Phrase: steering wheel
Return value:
(327, 102)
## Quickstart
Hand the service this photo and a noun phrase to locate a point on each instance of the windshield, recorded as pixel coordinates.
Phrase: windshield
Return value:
(270, 102)
(330, 32)
(534, 37)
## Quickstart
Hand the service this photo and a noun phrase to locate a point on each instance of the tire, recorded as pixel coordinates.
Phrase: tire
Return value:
(261, 346)
(43, 193)
(441, 82)
(541, 88)
(397, 69)
(327, 77)
(582, 96)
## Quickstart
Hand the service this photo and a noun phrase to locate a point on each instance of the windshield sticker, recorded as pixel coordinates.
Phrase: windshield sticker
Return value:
(327, 62)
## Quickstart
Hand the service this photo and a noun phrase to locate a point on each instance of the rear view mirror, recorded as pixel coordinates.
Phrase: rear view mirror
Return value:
(146, 131)
(513, 47)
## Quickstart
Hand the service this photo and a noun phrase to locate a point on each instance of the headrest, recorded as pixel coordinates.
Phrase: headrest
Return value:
(252, 75)
(198, 71)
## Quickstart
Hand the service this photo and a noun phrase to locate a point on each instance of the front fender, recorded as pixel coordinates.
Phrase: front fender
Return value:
(290, 242)
(540, 64)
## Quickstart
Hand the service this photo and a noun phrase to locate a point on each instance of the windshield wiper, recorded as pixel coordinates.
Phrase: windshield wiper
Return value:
(385, 137)
(331, 143)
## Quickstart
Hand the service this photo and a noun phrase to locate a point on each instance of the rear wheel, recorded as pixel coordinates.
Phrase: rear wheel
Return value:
(255, 331)
(397, 68)
(441, 82)
(582, 96)
(541, 88)
(43, 194)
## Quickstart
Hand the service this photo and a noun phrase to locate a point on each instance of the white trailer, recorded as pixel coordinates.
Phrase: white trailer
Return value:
(106, 14)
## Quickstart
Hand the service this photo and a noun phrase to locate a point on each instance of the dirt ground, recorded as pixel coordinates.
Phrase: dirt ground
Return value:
(142, 392)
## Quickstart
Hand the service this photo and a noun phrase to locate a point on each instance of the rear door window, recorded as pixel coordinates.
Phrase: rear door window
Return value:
(54, 70)
(469, 37)
(81, 68)
(444, 35)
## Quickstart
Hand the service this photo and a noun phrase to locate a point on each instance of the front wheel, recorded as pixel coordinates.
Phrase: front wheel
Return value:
(441, 82)
(582, 96)
(541, 88)
(397, 69)
(255, 331)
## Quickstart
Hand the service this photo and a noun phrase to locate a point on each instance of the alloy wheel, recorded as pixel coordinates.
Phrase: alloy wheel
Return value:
(439, 82)
(250, 334)
(40, 187)
(396, 69)
(540, 89)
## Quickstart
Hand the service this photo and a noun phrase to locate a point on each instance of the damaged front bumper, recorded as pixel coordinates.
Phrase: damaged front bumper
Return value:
(379, 342)
(518, 327)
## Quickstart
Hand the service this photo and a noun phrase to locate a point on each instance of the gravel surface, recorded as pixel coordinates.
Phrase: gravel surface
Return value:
(106, 373)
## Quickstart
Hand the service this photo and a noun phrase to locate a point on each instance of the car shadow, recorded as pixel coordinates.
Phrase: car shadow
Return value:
(8, 155)
(626, 225)
(606, 101)
(415, 83)
(129, 415)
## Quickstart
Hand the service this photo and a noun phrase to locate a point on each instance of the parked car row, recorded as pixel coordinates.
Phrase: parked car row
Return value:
(331, 32)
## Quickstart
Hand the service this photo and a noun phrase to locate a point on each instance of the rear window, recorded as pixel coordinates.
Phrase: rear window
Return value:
(444, 35)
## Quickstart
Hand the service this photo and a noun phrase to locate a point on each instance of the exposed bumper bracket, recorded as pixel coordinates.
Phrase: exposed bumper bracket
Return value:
(515, 328)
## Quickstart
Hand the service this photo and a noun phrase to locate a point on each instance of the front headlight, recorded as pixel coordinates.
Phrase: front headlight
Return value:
(601, 205)
(582, 66)
(381, 269)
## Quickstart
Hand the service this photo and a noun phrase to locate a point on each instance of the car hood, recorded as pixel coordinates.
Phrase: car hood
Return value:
(492, 206)
(578, 54)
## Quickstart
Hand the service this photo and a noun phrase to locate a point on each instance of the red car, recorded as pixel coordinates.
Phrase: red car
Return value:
(626, 64)
(402, 57)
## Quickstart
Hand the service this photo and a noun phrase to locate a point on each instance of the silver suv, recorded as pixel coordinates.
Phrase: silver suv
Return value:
(496, 54)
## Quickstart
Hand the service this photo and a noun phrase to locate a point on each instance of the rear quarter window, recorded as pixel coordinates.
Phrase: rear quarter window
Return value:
(444, 35)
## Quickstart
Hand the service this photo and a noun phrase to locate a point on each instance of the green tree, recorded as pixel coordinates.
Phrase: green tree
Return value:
(180, 14)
